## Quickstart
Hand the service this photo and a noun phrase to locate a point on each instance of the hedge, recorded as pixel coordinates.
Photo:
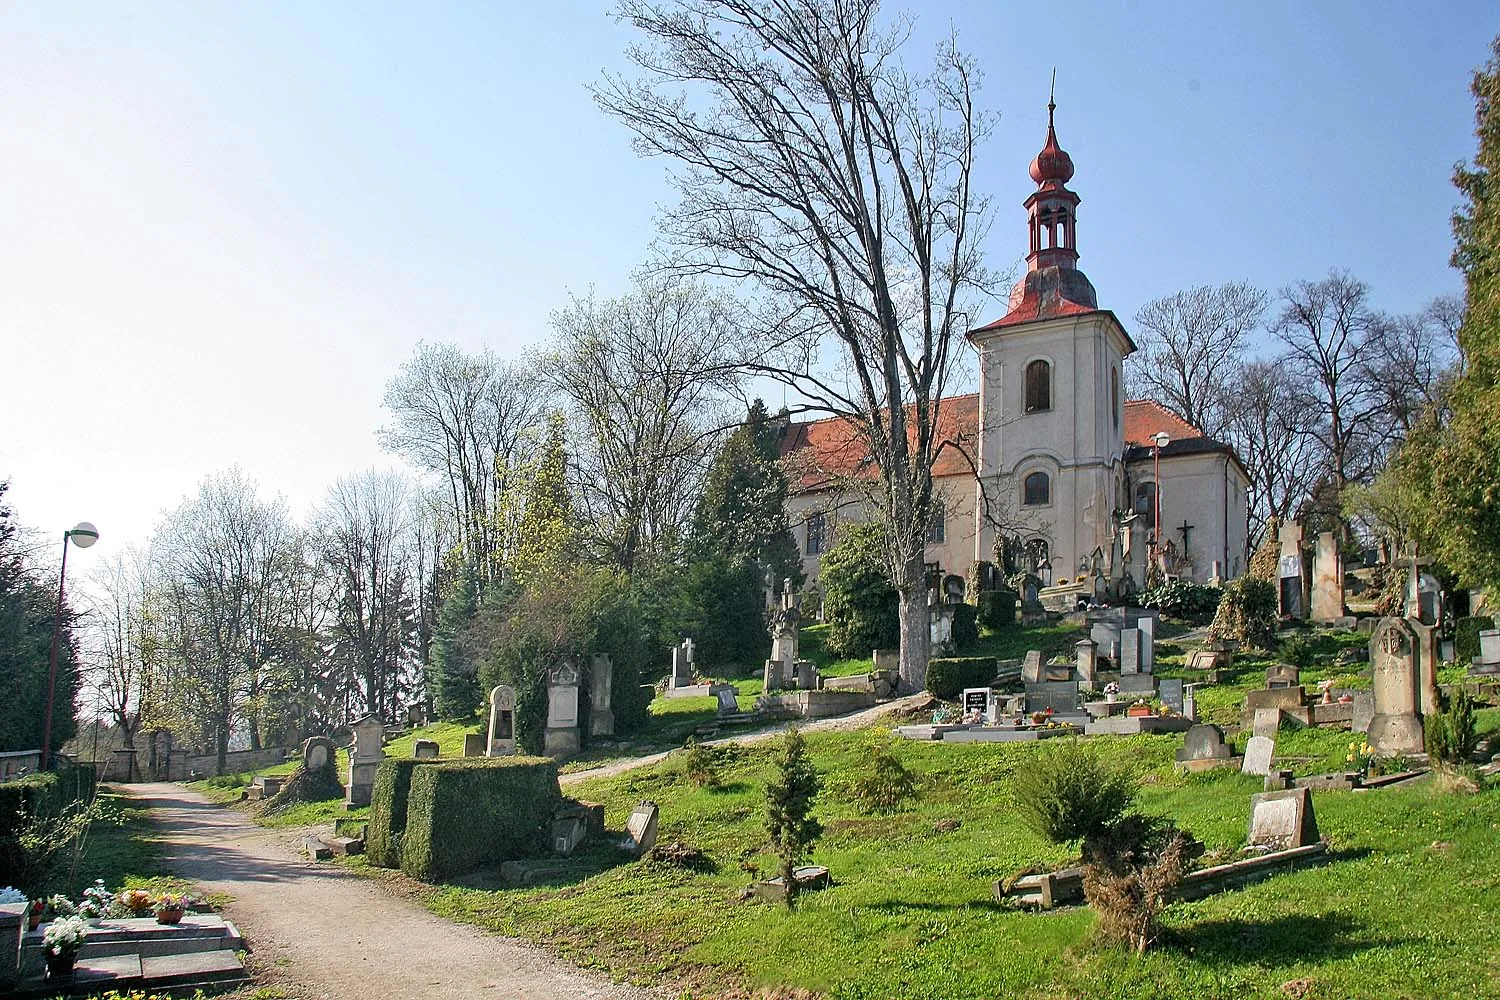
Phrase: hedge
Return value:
(965, 625)
(388, 810)
(461, 815)
(1466, 637)
(997, 609)
(948, 676)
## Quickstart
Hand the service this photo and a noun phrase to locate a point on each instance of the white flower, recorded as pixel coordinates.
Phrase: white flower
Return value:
(10, 894)
(65, 935)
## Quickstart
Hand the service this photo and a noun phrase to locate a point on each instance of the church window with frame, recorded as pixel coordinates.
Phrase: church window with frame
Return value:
(1036, 490)
(817, 534)
(1038, 386)
(1145, 499)
(937, 526)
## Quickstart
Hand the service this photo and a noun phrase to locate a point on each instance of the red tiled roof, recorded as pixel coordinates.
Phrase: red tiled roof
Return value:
(1030, 309)
(835, 447)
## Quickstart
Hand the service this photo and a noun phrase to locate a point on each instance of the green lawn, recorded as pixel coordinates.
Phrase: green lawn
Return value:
(121, 848)
(1406, 909)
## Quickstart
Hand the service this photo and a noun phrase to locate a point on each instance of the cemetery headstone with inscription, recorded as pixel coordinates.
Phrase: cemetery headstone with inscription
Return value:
(365, 755)
(502, 734)
(1396, 726)
(562, 736)
(1283, 820)
(601, 695)
(1258, 754)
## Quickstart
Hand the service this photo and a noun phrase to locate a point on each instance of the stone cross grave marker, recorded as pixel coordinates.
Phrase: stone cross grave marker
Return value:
(1395, 727)
(641, 826)
(1283, 820)
(502, 735)
(601, 695)
(562, 736)
(1258, 753)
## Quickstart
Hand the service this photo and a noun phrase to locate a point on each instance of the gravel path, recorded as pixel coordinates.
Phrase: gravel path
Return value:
(325, 933)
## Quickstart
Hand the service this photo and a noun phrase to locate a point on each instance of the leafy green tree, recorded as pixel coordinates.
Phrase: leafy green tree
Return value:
(719, 600)
(743, 508)
(1452, 468)
(790, 795)
(547, 524)
(861, 606)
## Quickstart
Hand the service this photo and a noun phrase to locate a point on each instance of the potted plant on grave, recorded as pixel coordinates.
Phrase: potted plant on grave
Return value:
(34, 914)
(1111, 692)
(170, 908)
(1360, 756)
(60, 943)
(1140, 710)
(97, 901)
(137, 901)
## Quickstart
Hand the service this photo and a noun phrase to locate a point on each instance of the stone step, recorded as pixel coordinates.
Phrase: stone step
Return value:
(132, 971)
(197, 932)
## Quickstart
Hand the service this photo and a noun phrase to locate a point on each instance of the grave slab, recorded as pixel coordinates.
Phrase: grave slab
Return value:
(1258, 754)
(1283, 820)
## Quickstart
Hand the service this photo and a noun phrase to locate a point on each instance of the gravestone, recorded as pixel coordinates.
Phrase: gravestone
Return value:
(1146, 625)
(1361, 711)
(365, 755)
(771, 676)
(1057, 670)
(475, 744)
(1209, 659)
(783, 627)
(1283, 820)
(502, 733)
(1488, 660)
(1134, 686)
(1031, 667)
(1258, 753)
(1290, 601)
(1204, 743)
(1328, 580)
(317, 753)
(1190, 702)
(886, 659)
(1086, 657)
(641, 828)
(682, 665)
(1428, 659)
(1130, 651)
(601, 695)
(1282, 675)
(976, 700)
(1267, 722)
(562, 736)
(728, 698)
(416, 715)
(425, 750)
(1062, 698)
(1396, 726)
(1170, 693)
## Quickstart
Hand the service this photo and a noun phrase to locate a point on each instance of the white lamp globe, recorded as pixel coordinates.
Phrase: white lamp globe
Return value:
(84, 534)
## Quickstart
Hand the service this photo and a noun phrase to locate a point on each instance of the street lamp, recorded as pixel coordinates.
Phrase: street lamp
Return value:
(83, 534)
(1159, 440)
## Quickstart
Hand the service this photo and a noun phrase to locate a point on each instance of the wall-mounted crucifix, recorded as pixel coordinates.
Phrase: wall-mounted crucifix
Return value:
(1185, 529)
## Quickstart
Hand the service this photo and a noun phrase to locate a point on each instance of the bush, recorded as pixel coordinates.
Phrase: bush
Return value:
(885, 784)
(1181, 599)
(1069, 795)
(464, 814)
(1451, 735)
(700, 764)
(965, 625)
(1466, 637)
(388, 810)
(861, 607)
(789, 800)
(1247, 613)
(1299, 650)
(947, 676)
(997, 609)
(1129, 894)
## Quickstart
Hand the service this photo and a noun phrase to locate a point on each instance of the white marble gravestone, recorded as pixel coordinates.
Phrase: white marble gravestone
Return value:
(502, 735)
(641, 827)
(1258, 754)
(562, 736)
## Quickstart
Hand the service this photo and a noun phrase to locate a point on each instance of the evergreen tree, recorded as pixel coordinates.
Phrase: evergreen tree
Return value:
(1452, 468)
(860, 605)
(454, 676)
(546, 522)
(789, 801)
(743, 508)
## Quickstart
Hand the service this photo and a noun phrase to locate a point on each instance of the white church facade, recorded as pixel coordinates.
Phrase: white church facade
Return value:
(1083, 487)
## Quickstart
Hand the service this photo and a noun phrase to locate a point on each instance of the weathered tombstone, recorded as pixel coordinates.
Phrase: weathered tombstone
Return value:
(1282, 675)
(1086, 656)
(1488, 660)
(1328, 580)
(771, 676)
(1428, 659)
(1204, 743)
(1031, 667)
(1190, 702)
(1362, 710)
(1130, 651)
(641, 826)
(317, 753)
(1170, 693)
(1062, 699)
(561, 736)
(1258, 754)
(365, 755)
(416, 715)
(1147, 628)
(890, 659)
(728, 698)
(601, 695)
(783, 628)
(1266, 722)
(502, 732)
(682, 667)
(475, 744)
(1138, 685)
(939, 622)
(805, 675)
(1289, 569)
(425, 750)
(1283, 820)
(1396, 726)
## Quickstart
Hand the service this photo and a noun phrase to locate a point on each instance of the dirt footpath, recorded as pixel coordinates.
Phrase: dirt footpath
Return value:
(324, 933)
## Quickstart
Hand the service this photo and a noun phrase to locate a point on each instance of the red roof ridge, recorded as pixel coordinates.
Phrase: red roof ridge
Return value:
(847, 418)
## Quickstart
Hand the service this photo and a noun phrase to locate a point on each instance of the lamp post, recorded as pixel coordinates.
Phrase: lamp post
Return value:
(83, 534)
(1159, 440)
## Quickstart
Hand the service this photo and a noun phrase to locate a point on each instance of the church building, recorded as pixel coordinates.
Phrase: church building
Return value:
(1054, 466)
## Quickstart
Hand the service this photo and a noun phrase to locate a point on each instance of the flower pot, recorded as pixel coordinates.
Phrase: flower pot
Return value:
(1138, 711)
(33, 921)
(1109, 699)
(170, 916)
(60, 966)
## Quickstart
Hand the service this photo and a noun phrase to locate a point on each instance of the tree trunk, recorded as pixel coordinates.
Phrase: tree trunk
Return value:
(915, 628)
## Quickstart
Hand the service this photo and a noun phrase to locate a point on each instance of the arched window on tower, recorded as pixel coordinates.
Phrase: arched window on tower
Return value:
(1036, 490)
(1038, 386)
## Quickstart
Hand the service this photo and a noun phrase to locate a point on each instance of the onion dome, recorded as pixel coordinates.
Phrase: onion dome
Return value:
(1052, 166)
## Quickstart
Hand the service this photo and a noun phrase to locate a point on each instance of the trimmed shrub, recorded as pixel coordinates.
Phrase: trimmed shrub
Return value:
(388, 810)
(997, 609)
(1466, 637)
(947, 676)
(1181, 599)
(1247, 613)
(464, 814)
(965, 625)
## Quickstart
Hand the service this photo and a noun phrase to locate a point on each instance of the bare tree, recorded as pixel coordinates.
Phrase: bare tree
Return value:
(818, 171)
(122, 645)
(1326, 327)
(362, 530)
(645, 378)
(1192, 346)
(1409, 362)
(463, 418)
(1274, 427)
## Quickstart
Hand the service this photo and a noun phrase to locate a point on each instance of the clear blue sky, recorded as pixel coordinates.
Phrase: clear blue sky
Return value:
(225, 225)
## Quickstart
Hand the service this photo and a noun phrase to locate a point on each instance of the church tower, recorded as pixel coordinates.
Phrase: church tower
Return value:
(1051, 409)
